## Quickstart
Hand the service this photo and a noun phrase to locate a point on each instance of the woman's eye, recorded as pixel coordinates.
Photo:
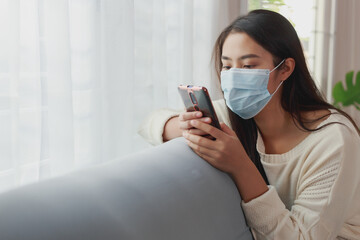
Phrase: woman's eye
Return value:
(226, 67)
(248, 66)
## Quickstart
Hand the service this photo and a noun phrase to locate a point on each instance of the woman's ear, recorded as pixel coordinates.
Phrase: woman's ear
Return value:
(287, 69)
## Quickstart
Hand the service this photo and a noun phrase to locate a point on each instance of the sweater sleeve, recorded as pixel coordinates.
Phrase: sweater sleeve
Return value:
(326, 194)
(152, 127)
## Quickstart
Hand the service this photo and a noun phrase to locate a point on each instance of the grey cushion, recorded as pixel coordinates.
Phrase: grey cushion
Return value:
(165, 192)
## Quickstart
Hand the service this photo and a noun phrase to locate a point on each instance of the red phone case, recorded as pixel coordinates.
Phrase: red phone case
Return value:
(197, 98)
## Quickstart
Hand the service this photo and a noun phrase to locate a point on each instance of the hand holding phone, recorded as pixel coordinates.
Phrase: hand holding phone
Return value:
(196, 98)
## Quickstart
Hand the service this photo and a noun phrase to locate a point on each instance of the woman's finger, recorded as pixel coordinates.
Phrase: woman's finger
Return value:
(197, 132)
(201, 151)
(201, 141)
(185, 124)
(213, 131)
(184, 116)
(227, 130)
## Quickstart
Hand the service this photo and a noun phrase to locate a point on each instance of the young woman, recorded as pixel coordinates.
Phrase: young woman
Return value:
(294, 158)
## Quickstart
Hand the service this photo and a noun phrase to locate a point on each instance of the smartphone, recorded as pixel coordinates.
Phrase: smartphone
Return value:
(197, 98)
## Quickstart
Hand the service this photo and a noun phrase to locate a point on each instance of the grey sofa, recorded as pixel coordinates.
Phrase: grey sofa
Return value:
(164, 192)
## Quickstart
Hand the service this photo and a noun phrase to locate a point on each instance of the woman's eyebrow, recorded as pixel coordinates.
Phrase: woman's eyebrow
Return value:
(242, 57)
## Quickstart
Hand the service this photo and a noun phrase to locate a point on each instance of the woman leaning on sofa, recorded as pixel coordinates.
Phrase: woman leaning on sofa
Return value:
(295, 158)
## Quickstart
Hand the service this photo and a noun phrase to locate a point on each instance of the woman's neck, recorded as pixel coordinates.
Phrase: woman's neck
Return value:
(278, 130)
(273, 122)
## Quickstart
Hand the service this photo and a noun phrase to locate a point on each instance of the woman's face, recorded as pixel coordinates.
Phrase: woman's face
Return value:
(241, 51)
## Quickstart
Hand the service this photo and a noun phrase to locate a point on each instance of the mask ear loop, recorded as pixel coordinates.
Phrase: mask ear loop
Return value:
(281, 81)
(277, 88)
(278, 65)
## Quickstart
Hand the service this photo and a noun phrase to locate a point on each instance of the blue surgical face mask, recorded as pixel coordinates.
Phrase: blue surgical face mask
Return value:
(245, 90)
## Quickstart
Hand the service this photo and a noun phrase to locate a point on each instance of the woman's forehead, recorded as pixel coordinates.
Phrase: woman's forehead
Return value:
(240, 44)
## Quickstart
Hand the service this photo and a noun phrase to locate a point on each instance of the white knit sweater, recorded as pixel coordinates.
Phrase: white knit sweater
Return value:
(314, 190)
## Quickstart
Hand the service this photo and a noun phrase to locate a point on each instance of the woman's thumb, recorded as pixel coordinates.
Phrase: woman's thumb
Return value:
(227, 130)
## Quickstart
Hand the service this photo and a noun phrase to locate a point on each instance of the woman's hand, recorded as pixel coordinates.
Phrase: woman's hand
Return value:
(185, 119)
(175, 126)
(225, 152)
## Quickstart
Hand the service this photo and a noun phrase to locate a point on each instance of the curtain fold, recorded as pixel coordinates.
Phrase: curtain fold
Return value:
(57, 75)
(337, 48)
(78, 77)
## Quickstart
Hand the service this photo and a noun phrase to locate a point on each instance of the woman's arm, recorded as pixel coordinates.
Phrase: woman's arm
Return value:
(172, 129)
(152, 128)
(227, 154)
(325, 204)
(326, 194)
(163, 124)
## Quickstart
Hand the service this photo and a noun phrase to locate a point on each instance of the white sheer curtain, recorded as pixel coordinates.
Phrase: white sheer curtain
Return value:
(337, 45)
(77, 77)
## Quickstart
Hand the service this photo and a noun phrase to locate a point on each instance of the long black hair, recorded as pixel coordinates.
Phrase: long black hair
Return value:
(275, 34)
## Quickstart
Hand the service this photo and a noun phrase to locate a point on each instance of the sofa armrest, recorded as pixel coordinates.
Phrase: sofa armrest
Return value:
(164, 192)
